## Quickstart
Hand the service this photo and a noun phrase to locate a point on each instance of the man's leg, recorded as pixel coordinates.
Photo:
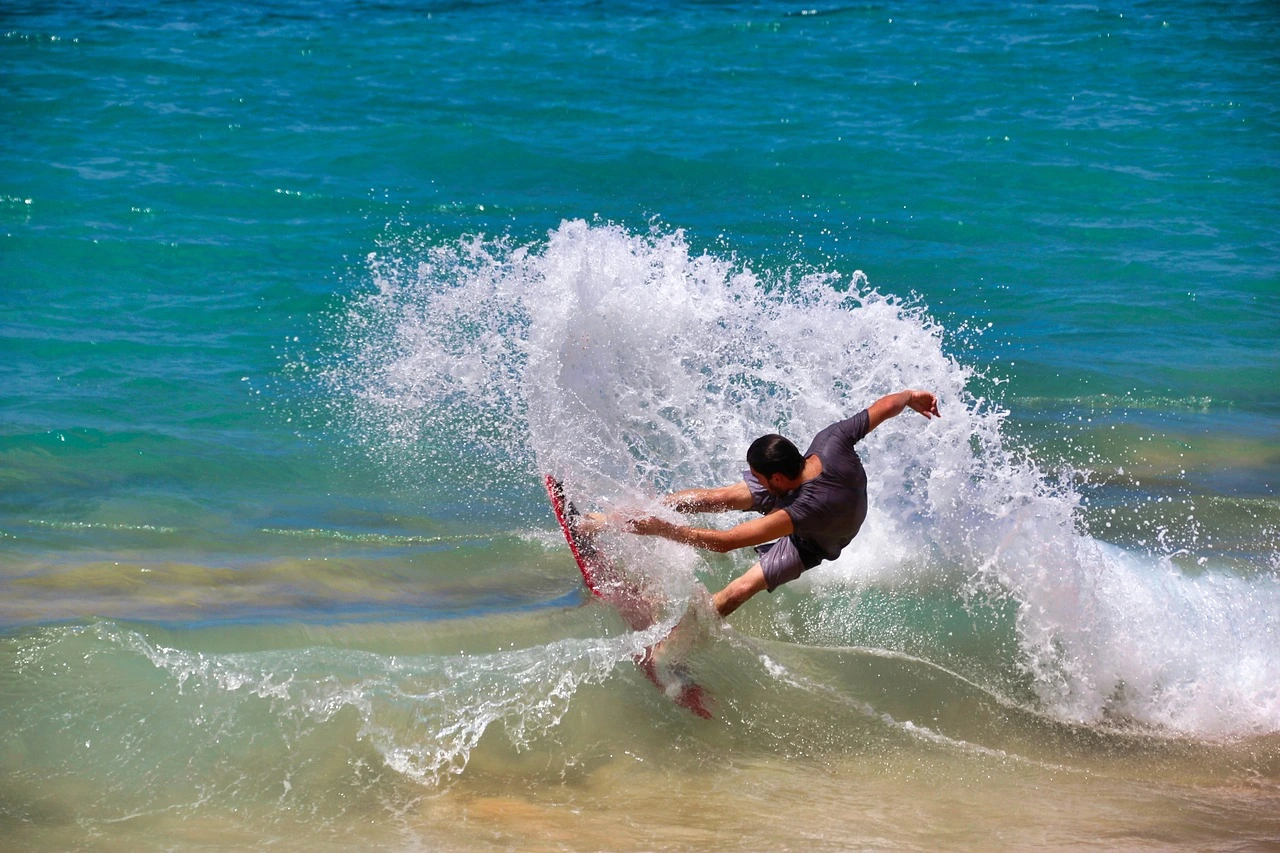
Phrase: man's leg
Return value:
(739, 590)
(726, 601)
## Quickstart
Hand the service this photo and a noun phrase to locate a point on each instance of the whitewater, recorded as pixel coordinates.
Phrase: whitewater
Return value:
(631, 367)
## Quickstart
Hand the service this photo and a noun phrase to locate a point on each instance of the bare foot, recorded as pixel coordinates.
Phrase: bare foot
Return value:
(591, 523)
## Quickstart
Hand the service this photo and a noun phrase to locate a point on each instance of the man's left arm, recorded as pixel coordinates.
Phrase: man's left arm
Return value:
(892, 405)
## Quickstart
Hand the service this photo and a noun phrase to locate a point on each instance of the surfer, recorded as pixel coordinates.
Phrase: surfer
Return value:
(812, 505)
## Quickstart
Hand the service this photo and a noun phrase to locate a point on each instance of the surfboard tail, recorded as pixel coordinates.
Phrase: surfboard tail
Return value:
(678, 685)
(696, 698)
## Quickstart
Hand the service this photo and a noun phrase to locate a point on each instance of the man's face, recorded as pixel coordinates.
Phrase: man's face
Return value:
(776, 484)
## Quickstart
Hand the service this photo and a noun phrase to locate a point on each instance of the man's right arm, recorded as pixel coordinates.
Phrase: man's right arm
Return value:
(723, 499)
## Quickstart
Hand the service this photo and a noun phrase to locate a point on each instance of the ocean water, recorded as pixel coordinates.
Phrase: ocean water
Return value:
(299, 300)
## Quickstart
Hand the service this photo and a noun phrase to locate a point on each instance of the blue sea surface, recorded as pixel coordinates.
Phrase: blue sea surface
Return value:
(298, 299)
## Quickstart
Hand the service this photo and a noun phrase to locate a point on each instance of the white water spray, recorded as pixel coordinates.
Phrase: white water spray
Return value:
(631, 367)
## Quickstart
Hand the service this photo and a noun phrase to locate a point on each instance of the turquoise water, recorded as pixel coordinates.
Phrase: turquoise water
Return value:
(297, 301)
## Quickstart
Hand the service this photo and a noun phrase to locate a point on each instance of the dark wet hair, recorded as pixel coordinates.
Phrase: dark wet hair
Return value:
(773, 454)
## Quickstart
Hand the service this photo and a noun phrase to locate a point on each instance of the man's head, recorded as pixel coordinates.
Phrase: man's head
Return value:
(776, 463)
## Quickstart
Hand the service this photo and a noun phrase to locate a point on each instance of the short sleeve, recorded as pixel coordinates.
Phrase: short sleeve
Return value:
(807, 511)
(761, 501)
(856, 428)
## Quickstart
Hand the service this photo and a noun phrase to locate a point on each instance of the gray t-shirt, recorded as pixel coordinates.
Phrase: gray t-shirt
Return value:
(827, 511)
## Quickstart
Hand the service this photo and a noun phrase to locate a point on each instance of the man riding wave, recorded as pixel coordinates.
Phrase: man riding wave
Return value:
(812, 505)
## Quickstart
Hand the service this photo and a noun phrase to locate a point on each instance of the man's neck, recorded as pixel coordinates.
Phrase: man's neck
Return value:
(780, 485)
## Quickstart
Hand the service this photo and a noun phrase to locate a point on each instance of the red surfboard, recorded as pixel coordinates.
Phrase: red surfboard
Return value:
(609, 584)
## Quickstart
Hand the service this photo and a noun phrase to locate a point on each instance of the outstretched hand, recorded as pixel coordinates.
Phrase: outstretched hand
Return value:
(644, 525)
(925, 403)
